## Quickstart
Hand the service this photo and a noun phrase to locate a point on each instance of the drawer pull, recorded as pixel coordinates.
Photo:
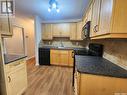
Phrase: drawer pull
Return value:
(16, 64)
(72, 54)
(9, 79)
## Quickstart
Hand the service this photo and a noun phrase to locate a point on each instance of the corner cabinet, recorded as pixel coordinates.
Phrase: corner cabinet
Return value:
(47, 32)
(6, 28)
(16, 77)
(109, 19)
(76, 31)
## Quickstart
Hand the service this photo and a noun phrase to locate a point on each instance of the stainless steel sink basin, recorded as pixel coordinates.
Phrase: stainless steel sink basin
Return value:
(60, 47)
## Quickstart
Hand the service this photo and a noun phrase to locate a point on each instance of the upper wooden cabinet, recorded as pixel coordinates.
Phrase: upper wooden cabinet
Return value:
(73, 31)
(47, 32)
(95, 17)
(61, 30)
(6, 28)
(88, 15)
(109, 19)
(76, 31)
(79, 34)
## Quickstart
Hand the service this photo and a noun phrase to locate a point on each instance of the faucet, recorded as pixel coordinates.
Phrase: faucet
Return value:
(62, 45)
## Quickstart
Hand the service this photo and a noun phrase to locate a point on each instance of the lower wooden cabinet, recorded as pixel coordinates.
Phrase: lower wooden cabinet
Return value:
(61, 57)
(64, 58)
(88, 84)
(16, 77)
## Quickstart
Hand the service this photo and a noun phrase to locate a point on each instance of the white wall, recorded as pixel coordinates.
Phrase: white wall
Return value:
(37, 21)
(28, 25)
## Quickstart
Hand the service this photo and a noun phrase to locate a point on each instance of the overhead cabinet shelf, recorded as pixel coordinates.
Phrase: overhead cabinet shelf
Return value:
(70, 30)
(109, 19)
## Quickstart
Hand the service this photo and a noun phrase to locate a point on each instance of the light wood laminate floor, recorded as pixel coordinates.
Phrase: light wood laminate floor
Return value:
(49, 80)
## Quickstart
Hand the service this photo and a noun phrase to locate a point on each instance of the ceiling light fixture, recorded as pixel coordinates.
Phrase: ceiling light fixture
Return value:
(53, 5)
(49, 9)
(58, 10)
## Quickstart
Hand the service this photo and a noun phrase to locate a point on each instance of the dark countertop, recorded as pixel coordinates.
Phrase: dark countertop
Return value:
(8, 58)
(62, 48)
(99, 66)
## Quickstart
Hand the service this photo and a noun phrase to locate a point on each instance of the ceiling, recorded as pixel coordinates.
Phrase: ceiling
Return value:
(69, 9)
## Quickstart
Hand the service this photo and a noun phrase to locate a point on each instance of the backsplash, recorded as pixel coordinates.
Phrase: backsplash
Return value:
(63, 42)
(115, 50)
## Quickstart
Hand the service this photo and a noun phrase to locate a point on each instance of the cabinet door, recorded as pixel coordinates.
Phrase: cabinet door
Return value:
(95, 17)
(64, 58)
(105, 17)
(47, 31)
(65, 30)
(119, 20)
(73, 31)
(71, 59)
(55, 57)
(17, 81)
(6, 27)
(89, 13)
(56, 30)
(79, 31)
(61, 30)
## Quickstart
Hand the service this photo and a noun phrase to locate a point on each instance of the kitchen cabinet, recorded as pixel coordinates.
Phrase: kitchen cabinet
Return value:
(73, 31)
(95, 17)
(54, 57)
(79, 34)
(71, 59)
(64, 58)
(76, 31)
(47, 32)
(105, 17)
(6, 28)
(88, 15)
(88, 84)
(16, 77)
(61, 30)
(61, 57)
(109, 21)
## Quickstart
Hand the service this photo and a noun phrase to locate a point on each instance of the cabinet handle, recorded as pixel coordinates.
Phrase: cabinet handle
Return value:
(9, 79)
(16, 64)
(72, 54)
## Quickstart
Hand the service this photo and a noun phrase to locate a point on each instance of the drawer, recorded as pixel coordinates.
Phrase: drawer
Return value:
(15, 65)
